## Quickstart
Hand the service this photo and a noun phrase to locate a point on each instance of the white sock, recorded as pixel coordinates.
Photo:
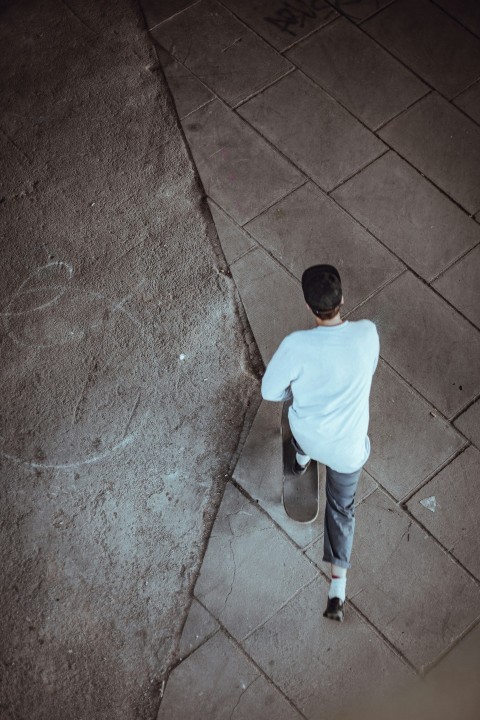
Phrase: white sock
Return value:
(337, 588)
(302, 459)
(338, 571)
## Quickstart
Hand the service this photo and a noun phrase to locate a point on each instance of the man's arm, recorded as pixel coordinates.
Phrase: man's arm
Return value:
(278, 375)
(377, 351)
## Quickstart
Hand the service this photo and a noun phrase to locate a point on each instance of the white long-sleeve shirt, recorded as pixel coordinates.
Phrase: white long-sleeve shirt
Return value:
(328, 370)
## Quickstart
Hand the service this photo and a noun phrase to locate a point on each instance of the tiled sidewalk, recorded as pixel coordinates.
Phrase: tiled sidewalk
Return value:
(346, 133)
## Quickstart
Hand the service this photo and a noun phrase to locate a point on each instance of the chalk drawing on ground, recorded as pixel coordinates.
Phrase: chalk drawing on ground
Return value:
(82, 384)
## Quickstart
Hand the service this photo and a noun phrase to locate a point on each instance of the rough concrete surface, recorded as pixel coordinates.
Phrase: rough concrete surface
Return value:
(125, 370)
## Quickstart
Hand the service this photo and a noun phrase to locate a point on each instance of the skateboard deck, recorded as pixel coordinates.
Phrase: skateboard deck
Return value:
(300, 492)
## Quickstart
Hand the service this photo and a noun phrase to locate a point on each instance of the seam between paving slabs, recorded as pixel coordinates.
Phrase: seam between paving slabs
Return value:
(442, 547)
(170, 17)
(419, 394)
(261, 90)
(354, 174)
(307, 35)
(453, 456)
(464, 112)
(454, 262)
(427, 283)
(429, 666)
(453, 18)
(467, 407)
(451, 419)
(373, 14)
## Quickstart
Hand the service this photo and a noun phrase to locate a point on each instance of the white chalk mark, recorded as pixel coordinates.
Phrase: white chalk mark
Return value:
(68, 338)
(80, 398)
(112, 306)
(134, 410)
(430, 503)
(119, 305)
(20, 291)
(66, 466)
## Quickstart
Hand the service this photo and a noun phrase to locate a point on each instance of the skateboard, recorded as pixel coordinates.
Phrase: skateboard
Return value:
(300, 492)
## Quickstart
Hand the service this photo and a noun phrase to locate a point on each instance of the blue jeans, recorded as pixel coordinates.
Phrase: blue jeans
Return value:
(339, 522)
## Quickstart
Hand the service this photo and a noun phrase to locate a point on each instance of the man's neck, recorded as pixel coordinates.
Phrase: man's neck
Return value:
(337, 320)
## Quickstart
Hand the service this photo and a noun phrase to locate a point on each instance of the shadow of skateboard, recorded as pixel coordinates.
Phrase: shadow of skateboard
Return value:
(300, 492)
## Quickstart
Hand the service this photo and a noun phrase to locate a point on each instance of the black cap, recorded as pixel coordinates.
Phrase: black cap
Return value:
(322, 287)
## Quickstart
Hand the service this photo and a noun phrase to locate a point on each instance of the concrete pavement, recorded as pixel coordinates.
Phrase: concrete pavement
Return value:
(349, 133)
(125, 370)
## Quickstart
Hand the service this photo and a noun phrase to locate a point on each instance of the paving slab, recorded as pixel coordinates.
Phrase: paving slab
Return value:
(357, 72)
(198, 628)
(406, 585)
(282, 22)
(409, 439)
(427, 342)
(449, 155)
(409, 215)
(467, 12)
(428, 41)
(239, 170)
(307, 227)
(273, 300)
(235, 242)
(460, 285)
(469, 101)
(188, 92)
(309, 657)
(218, 682)
(250, 569)
(469, 423)
(220, 50)
(449, 507)
(312, 129)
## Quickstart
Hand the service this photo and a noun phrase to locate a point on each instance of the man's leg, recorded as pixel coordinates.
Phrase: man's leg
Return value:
(302, 461)
(339, 527)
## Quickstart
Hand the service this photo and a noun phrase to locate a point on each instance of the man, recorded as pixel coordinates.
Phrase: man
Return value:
(327, 371)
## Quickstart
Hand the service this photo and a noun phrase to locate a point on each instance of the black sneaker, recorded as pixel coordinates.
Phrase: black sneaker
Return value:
(334, 609)
(298, 469)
